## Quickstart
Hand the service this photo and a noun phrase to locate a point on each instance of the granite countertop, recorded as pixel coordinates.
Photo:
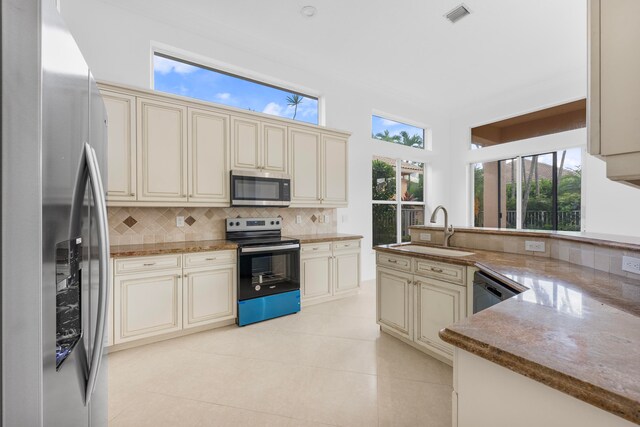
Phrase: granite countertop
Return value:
(325, 237)
(573, 328)
(119, 251)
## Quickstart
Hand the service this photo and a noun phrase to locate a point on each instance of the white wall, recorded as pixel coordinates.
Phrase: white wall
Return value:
(117, 46)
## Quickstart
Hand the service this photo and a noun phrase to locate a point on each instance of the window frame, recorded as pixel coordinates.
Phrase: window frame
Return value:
(200, 61)
(399, 203)
(518, 159)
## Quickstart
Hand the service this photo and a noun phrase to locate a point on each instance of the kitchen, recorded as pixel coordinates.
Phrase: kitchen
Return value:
(282, 216)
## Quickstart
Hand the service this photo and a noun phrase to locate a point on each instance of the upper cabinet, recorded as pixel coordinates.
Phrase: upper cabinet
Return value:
(162, 151)
(614, 87)
(208, 155)
(318, 168)
(258, 145)
(167, 151)
(121, 113)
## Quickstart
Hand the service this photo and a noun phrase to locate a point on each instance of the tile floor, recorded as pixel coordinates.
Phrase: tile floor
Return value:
(327, 365)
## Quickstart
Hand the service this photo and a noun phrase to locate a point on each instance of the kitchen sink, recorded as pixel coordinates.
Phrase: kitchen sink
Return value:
(430, 250)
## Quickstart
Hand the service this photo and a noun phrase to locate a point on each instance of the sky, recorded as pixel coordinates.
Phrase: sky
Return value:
(187, 80)
(380, 124)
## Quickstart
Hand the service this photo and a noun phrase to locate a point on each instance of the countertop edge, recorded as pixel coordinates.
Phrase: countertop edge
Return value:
(606, 400)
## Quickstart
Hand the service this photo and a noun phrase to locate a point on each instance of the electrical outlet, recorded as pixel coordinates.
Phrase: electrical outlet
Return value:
(327, 219)
(298, 219)
(533, 246)
(630, 264)
(179, 221)
(321, 219)
(425, 237)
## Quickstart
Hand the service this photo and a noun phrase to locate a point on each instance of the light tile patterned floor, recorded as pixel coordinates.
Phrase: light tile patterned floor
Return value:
(327, 365)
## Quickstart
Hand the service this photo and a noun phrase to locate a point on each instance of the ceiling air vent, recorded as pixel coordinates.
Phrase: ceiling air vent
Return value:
(458, 13)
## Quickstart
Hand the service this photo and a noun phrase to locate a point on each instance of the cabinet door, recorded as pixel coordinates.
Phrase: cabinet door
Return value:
(162, 151)
(304, 147)
(245, 143)
(619, 71)
(121, 134)
(274, 147)
(209, 296)
(208, 152)
(394, 304)
(347, 272)
(438, 304)
(334, 171)
(315, 277)
(147, 305)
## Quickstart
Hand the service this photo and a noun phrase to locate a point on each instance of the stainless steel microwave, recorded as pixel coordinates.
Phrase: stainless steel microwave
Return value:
(258, 188)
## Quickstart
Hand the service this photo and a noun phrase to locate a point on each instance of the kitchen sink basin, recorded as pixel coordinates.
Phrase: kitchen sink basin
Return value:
(430, 250)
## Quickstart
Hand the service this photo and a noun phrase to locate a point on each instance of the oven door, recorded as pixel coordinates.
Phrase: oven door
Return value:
(268, 270)
(249, 188)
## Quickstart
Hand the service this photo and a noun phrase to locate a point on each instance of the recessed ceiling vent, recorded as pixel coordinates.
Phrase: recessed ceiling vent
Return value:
(457, 13)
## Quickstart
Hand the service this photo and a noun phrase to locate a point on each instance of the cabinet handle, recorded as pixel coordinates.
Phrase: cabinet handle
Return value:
(436, 269)
(132, 194)
(185, 276)
(408, 282)
(417, 282)
(149, 264)
(315, 249)
(210, 259)
(393, 261)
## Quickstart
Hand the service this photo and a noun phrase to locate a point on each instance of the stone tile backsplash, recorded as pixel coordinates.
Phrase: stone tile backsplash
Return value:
(586, 254)
(133, 225)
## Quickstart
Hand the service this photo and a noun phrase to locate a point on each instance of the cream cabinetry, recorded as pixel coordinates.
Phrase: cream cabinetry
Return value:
(162, 151)
(258, 145)
(165, 150)
(209, 295)
(613, 101)
(208, 157)
(417, 297)
(319, 165)
(329, 270)
(121, 119)
(156, 297)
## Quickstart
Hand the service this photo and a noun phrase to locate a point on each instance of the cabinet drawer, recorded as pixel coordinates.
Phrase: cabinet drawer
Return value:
(449, 272)
(394, 261)
(346, 245)
(145, 264)
(313, 248)
(204, 259)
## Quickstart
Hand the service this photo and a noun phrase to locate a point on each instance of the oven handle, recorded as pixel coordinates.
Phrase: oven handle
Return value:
(270, 248)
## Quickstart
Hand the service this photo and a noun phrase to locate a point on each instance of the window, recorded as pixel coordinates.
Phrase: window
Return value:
(398, 199)
(550, 192)
(196, 81)
(397, 132)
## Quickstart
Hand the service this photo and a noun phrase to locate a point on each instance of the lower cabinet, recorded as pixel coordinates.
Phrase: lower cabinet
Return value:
(417, 307)
(329, 270)
(395, 301)
(147, 305)
(437, 304)
(209, 295)
(156, 295)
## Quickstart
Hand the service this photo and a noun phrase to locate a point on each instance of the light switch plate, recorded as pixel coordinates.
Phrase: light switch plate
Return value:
(327, 219)
(630, 264)
(533, 246)
(298, 219)
(425, 237)
(179, 221)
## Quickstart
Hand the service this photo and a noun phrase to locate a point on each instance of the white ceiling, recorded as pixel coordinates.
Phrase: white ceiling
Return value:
(405, 46)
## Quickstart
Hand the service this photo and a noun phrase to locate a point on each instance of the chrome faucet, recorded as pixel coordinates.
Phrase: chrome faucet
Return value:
(448, 229)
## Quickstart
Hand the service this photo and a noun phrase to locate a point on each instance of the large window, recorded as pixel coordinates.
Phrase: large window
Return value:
(544, 194)
(397, 132)
(398, 198)
(196, 81)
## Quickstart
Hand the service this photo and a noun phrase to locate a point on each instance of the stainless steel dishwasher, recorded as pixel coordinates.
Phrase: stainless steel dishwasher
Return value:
(488, 291)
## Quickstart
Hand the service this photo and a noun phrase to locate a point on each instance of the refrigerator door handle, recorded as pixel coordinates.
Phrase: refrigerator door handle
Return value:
(103, 285)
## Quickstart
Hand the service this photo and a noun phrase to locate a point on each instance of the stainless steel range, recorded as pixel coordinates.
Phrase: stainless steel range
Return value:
(268, 269)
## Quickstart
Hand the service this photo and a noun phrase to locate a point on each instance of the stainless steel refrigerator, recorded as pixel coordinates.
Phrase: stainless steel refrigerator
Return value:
(55, 246)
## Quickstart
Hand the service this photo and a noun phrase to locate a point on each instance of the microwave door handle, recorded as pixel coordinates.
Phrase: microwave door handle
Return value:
(103, 284)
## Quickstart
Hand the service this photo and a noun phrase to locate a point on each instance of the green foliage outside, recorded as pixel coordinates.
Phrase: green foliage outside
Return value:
(403, 138)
